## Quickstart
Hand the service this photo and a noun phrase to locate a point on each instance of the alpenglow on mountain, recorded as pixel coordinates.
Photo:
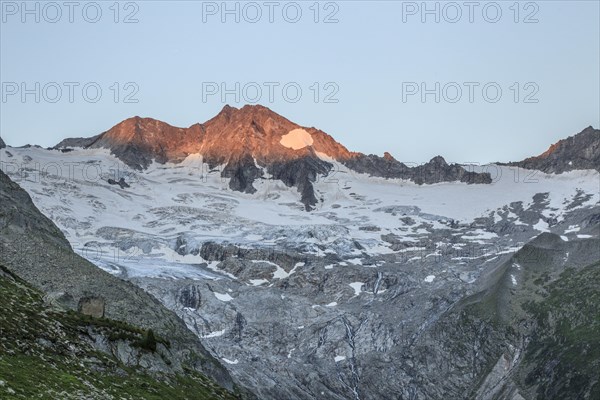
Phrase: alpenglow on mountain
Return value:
(255, 143)
(271, 262)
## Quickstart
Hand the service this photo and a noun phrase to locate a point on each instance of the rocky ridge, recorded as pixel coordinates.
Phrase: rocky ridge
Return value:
(580, 151)
(249, 144)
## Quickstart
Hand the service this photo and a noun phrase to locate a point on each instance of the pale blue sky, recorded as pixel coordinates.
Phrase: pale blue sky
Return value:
(369, 53)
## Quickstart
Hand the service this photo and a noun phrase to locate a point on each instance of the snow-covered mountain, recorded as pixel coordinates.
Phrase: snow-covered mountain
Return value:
(339, 302)
(254, 143)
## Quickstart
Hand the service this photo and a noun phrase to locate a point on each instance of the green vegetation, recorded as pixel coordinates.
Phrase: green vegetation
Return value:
(47, 354)
(115, 330)
(148, 342)
(552, 315)
(563, 357)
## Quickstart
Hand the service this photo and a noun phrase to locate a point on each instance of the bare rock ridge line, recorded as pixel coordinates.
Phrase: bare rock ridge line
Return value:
(254, 140)
(581, 151)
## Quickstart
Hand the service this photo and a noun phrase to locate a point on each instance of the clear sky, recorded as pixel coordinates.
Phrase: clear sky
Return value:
(370, 61)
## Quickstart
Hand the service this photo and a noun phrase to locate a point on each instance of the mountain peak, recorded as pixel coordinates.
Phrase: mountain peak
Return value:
(245, 143)
(226, 111)
(388, 156)
(580, 151)
(256, 116)
(437, 161)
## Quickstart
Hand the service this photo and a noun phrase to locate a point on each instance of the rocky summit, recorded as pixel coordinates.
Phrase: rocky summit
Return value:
(581, 151)
(256, 143)
(182, 263)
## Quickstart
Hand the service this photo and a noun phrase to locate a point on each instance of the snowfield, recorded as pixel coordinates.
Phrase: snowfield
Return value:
(170, 210)
(297, 139)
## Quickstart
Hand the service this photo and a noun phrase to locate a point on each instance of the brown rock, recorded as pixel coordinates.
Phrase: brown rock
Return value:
(92, 306)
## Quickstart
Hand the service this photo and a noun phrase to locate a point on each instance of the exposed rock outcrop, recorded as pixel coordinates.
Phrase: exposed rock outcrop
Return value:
(581, 151)
(435, 171)
(121, 182)
(76, 142)
(92, 306)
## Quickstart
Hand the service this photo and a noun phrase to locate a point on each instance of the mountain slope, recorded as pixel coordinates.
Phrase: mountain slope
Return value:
(46, 353)
(503, 342)
(387, 289)
(581, 151)
(34, 249)
(562, 359)
(256, 143)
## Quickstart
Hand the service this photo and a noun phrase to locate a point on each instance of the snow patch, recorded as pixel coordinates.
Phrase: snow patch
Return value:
(356, 261)
(280, 273)
(572, 228)
(429, 278)
(258, 282)
(213, 334)
(357, 286)
(339, 358)
(296, 139)
(541, 226)
(229, 361)
(223, 297)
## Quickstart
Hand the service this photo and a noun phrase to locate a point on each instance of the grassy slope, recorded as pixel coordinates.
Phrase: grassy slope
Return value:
(563, 357)
(553, 314)
(48, 354)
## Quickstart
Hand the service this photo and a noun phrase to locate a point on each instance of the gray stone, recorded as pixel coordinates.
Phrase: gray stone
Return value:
(92, 306)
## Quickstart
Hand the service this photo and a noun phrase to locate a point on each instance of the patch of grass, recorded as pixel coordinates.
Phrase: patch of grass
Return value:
(27, 377)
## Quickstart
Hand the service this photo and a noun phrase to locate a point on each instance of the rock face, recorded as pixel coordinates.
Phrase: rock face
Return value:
(2, 144)
(581, 151)
(190, 297)
(250, 142)
(393, 335)
(92, 306)
(33, 248)
(121, 182)
(435, 171)
(76, 142)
